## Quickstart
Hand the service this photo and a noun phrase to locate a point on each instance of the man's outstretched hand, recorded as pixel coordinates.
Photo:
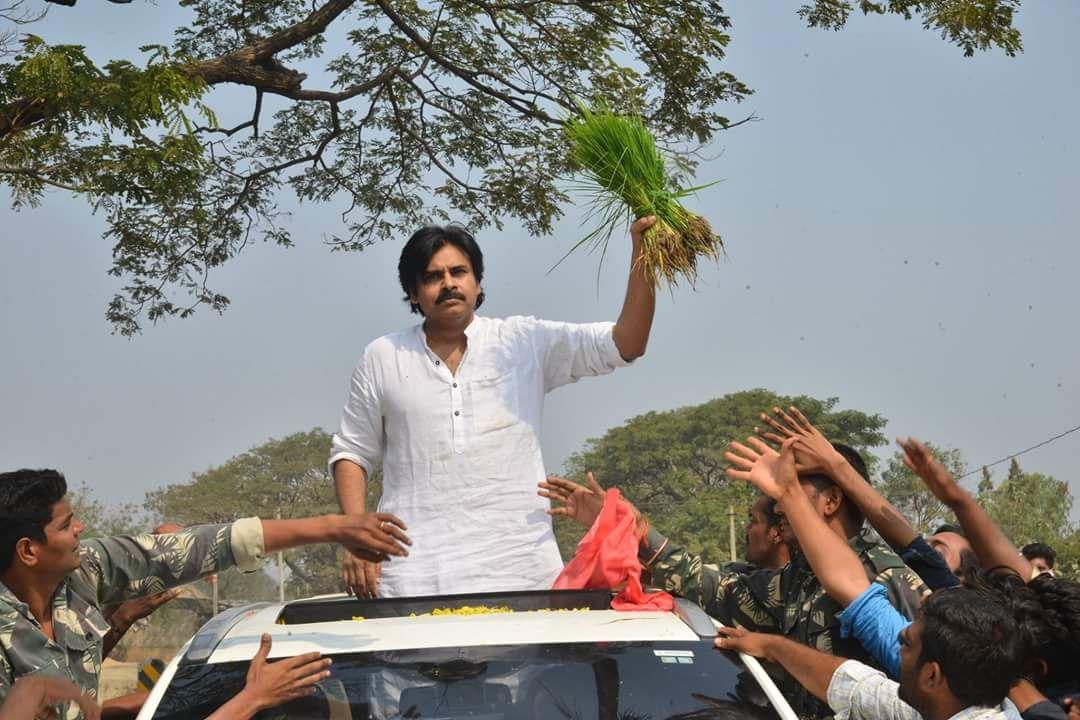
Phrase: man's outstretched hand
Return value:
(771, 472)
(739, 640)
(919, 459)
(373, 536)
(814, 454)
(569, 499)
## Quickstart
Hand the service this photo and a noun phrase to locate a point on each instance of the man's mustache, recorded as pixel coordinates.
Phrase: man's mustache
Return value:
(449, 295)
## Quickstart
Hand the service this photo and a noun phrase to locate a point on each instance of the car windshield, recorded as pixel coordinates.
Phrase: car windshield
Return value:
(598, 681)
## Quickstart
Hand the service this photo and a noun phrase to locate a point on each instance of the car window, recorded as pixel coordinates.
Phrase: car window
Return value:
(600, 681)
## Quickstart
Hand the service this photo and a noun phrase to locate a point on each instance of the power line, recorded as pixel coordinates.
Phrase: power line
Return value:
(1018, 454)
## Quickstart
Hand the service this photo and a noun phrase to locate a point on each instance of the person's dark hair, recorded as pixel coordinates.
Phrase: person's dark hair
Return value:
(977, 642)
(1047, 612)
(855, 517)
(427, 241)
(1039, 550)
(26, 505)
(969, 564)
(949, 528)
(1059, 600)
(768, 508)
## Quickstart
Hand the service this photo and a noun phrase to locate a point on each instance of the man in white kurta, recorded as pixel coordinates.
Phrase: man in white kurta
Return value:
(452, 408)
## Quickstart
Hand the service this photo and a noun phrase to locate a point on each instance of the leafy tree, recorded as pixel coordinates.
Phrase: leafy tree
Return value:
(671, 465)
(910, 495)
(102, 520)
(1031, 507)
(971, 26)
(462, 99)
(286, 477)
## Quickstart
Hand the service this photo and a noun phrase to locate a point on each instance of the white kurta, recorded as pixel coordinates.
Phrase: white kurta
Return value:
(461, 454)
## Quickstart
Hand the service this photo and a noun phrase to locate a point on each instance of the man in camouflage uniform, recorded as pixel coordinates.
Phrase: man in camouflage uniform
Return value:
(790, 600)
(52, 587)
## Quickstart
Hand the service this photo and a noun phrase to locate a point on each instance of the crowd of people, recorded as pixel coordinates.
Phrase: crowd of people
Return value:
(857, 613)
(959, 624)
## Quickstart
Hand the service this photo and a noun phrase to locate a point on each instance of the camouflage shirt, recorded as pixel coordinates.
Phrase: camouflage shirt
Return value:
(789, 600)
(113, 570)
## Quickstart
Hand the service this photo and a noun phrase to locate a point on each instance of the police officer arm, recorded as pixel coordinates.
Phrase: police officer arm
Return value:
(120, 568)
(631, 332)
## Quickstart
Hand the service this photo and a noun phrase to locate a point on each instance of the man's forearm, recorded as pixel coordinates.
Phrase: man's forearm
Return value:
(350, 484)
(893, 527)
(111, 639)
(281, 535)
(991, 545)
(631, 333)
(836, 565)
(812, 668)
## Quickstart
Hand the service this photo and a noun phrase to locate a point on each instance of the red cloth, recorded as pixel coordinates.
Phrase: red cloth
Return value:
(607, 558)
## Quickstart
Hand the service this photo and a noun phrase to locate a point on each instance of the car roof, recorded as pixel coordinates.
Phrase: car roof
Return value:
(325, 624)
(339, 624)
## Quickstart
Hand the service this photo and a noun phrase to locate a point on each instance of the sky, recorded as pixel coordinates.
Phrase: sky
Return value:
(901, 230)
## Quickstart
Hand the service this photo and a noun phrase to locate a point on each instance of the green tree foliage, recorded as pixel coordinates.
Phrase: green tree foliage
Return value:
(671, 465)
(1031, 507)
(102, 520)
(287, 477)
(910, 495)
(460, 100)
(970, 25)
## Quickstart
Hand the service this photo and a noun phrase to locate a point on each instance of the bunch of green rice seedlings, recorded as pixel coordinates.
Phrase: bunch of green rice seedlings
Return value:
(626, 177)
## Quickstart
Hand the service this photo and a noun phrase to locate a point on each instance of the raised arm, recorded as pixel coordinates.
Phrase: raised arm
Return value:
(814, 453)
(991, 545)
(836, 565)
(631, 333)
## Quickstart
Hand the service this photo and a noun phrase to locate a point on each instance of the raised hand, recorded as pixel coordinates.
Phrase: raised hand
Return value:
(639, 227)
(580, 503)
(919, 459)
(374, 536)
(771, 472)
(813, 452)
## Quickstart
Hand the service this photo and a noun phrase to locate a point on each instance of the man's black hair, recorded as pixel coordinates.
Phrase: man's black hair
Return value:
(1039, 550)
(821, 483)
(1047, 612)
(949, 528)
(976, 641)
(772, 518)
(26, 506)
(969, 564)
(1059, 600)
(427, 241)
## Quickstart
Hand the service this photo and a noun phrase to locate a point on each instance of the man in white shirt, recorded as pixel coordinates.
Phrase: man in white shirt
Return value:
(452, 408)
(957, 662)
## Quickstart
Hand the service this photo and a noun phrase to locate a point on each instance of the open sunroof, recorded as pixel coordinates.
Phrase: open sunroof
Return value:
(330, 610)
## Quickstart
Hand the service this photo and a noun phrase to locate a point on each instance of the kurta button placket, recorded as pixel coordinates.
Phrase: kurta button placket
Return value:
(456, 421)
